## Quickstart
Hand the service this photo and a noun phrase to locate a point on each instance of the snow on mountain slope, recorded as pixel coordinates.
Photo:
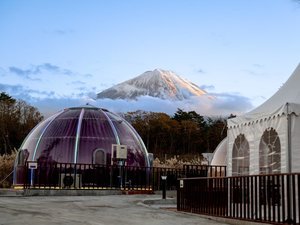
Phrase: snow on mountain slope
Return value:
(157, 83)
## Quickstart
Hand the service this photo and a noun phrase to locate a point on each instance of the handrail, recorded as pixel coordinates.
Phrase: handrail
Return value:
(2, 181)
(53, 175)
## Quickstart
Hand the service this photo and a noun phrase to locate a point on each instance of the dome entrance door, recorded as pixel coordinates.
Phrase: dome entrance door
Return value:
(99, 157)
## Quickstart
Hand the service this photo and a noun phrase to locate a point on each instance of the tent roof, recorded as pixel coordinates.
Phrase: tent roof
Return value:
(286, 99)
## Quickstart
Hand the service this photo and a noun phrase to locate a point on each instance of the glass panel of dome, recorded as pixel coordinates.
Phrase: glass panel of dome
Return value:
(95, 124)
(127, 136)
(33, 137)
(59, 139)
(95, 133)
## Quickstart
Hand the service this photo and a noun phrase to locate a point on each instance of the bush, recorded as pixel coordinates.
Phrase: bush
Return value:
(178, 162)
(6, 168)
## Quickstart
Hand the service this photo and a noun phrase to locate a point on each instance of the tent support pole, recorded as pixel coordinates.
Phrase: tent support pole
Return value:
(289, 150)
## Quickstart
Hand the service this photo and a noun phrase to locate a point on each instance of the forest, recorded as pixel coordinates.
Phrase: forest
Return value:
(183, 133)
(17, 118)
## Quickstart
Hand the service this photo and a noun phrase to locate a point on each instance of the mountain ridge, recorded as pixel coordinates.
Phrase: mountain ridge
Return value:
(158, 83)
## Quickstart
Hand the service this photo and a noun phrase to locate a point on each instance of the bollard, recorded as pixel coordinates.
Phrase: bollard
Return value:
(164, 186)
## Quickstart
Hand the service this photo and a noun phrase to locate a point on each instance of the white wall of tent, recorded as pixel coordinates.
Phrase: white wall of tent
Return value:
(267, 139)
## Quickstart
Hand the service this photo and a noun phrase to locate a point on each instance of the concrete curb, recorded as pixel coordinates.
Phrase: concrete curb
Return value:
(67, 192)
(158, 203)
(5, 192)
(225, 220)
(168, 201)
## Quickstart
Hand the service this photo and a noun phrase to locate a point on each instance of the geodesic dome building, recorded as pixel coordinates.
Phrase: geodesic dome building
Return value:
(80, 135)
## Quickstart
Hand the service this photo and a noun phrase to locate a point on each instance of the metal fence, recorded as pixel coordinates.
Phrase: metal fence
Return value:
(261, 198)
(93, 176)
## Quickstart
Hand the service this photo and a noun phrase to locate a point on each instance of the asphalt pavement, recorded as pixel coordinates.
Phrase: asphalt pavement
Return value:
(95, 210)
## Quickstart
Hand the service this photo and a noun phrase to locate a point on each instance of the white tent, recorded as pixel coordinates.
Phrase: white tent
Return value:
(267, 139)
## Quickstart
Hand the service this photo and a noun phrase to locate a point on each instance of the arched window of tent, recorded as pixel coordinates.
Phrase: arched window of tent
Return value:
(240, 156)
(22, 157)
(269, 152)
(99, 157)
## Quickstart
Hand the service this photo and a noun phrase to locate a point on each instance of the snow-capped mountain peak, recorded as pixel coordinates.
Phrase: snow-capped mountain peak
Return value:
(157, 83)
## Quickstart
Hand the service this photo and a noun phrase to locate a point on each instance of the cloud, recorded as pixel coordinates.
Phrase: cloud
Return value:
(83, 90)
(20, 72)
(296, 1)
(49, 102)
(16, 89)
(50, 72)
(21, 92)
(39, 69)
(256, 70)
(201, 71)
(29, 93)
(2, 72)
(77, 82)
(258, 65)
(63, 31)
(207, 87)
(222, 104)
(49, 106)
(87, 75)
(49, 67)
(232, 103)
(252, 72)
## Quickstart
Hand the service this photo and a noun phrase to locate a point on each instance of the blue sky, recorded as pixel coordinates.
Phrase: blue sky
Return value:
(55, 54)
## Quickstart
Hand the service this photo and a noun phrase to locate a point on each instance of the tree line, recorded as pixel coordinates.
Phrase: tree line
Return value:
(17, 118)
(182, 133)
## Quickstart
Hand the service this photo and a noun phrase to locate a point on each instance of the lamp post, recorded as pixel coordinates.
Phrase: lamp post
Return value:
(164, 186)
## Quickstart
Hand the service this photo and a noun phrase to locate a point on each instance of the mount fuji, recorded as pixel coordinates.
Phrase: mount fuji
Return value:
(158, 83)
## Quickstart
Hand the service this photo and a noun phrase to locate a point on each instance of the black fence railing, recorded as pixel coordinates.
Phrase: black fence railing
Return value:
(205, 171)
(93, 176)
(262, 198)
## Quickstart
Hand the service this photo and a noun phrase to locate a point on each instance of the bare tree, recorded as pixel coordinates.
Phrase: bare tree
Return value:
(17, 118)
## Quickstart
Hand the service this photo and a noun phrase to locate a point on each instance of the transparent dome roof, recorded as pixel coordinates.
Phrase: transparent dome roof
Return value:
(75, 134)
(220, 154)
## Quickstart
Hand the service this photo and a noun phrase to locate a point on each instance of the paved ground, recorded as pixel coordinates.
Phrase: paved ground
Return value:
(92, 210)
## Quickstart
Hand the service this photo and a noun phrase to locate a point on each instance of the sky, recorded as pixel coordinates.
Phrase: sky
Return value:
(61, 53)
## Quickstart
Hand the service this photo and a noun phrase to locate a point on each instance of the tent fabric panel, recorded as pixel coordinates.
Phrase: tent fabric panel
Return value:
(240, 156)
(295, 143)
(251, 119)
(269, 152)
(253, 135)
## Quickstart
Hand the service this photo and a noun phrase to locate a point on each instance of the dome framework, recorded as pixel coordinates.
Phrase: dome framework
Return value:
(81, 135)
